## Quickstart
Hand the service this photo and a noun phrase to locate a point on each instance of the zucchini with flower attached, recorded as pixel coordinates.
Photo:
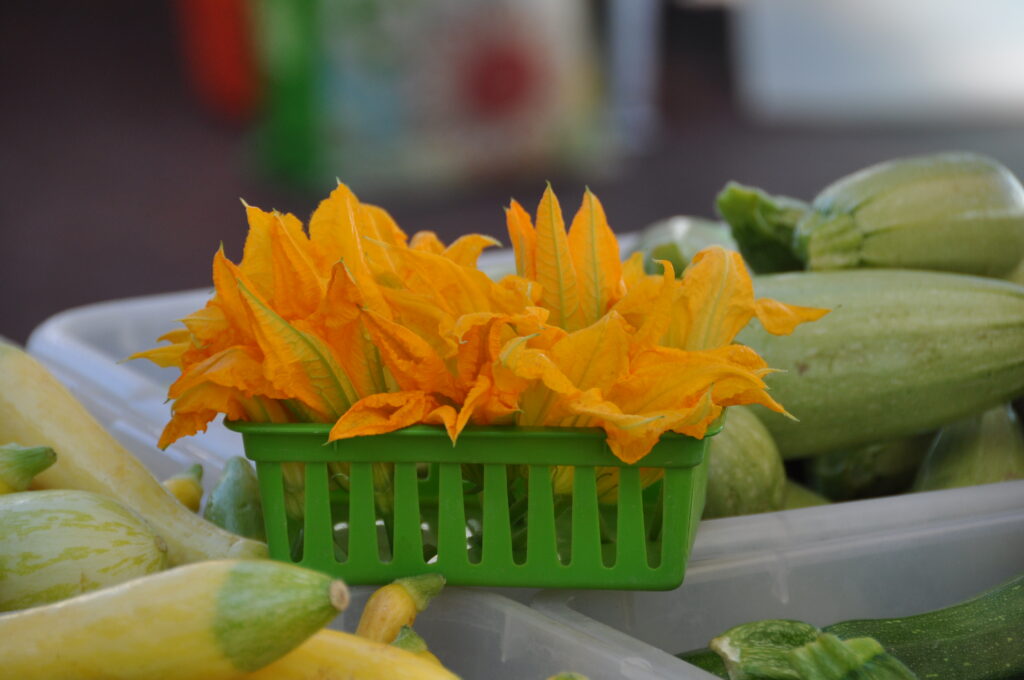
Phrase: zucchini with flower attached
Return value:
(958, 212)
(901, 353)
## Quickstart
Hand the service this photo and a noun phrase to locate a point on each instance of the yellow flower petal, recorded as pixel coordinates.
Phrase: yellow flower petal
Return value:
(412, 362)
(381, 413)
(237, 367)
(717, 300)
(596, 260)
(555, 271)
(299, 363)
(524, 240)
(465, 250)
(195, 409)
(779, 318)
(426, 241)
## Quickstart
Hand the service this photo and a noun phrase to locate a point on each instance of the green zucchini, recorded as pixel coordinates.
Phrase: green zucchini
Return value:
(901, 353)
(678, 239)
(869, 471)
(234, 504)
(979, 639)
(958, 212)
(793, 650)
(763, 226)
(984, 448)
(745, 471)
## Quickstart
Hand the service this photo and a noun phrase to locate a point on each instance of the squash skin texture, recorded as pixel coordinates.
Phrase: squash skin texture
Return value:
(901, 353)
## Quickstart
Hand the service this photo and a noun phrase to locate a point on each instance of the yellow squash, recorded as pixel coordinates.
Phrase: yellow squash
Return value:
(333, 655)
(187, 486)
(36, 409)
(396, 605)
(215, 620)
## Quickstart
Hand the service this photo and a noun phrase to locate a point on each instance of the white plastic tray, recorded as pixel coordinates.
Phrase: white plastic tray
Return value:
(874, 558)
(880, 558)
(484, 636)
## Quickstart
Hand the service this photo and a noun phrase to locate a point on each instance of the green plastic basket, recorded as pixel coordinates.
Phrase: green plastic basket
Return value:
(484, 512)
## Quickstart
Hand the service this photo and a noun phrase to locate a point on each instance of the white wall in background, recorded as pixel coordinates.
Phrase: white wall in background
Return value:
(880, 60)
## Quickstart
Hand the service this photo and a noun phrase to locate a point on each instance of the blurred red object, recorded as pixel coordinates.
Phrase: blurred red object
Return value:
(219, 61)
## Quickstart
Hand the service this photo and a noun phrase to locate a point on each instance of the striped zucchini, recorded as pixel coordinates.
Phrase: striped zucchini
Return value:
(36, 409)
(57, 544)
(902, 352)
(213, 620)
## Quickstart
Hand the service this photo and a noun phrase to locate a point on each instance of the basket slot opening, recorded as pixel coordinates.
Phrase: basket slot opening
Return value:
(291, 487)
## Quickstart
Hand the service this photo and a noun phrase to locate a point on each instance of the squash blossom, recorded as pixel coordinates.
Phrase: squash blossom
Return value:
(348, 321)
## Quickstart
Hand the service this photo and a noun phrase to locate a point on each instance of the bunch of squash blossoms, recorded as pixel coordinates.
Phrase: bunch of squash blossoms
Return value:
(351, 322)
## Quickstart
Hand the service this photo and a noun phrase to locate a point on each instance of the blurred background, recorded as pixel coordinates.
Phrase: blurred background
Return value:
(132, 129)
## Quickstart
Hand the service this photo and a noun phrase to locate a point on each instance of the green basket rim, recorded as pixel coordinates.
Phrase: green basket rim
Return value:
(307, 442)
(250, 427)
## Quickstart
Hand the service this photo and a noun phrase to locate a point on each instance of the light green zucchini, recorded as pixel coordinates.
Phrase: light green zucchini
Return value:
(959, 212)
(901, 353)
(745, 471)
(981, 449)
(678, 239)
(763, 226)
(234, 504)
(61, 543)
